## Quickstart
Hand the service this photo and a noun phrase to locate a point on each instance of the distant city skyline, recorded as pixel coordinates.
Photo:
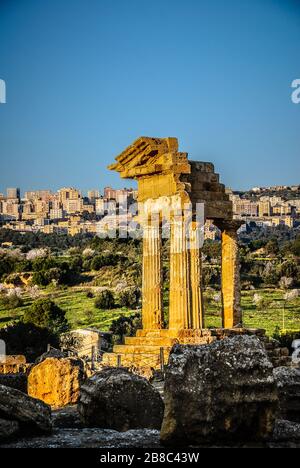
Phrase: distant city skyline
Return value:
(84, 80)
(131, 185)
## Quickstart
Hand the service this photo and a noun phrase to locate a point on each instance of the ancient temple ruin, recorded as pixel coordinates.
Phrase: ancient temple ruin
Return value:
(168, 181)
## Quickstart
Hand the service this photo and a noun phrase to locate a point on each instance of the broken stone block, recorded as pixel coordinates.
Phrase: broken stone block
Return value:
(222, 392)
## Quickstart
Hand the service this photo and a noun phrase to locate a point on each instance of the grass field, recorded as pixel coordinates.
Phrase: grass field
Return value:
(82, 313)
(276, 314)
(80, 310)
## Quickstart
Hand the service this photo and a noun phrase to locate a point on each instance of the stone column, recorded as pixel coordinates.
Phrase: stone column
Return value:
(231, 288)
(179, 302)
(197, 313)
(152, 314)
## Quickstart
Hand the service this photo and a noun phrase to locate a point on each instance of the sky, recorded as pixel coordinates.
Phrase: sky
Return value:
(85, 78)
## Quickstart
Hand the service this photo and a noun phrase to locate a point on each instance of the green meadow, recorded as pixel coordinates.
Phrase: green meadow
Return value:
(81, 312)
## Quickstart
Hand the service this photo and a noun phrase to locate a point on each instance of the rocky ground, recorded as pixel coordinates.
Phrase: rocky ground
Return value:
(286, 435)
(226, 394)
(69, 433)
(91, 438)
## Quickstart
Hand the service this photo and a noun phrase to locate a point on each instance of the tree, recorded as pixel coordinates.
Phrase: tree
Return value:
(126, 326)
(289, 268)
(7, 265)
(27, 339)
(286, 283)
(44, 313)
(12, 300)
(212, 249)
(271, 275)
(293, 247)
(97, 263)
(39, 278)
(105, 300)
(272, 247)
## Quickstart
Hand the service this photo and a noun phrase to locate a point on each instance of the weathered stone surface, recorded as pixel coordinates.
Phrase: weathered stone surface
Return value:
(221, 392)
(17, 381)
(8, 429)
(56, 381)
(14, 359)
(32, 415)
(288, 382)
(67, 417)
(53, 353)
(117, 399)
(90, 438)
(286, 431)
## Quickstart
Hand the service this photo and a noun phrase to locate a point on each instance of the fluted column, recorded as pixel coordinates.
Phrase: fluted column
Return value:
(197, 312)
(152, 314)
(231, 288)
(179, 303)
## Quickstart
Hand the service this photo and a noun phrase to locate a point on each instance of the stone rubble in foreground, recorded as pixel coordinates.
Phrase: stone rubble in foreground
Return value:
(286, 435)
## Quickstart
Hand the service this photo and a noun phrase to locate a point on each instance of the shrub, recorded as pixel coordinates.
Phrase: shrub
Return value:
(261, 302)
(61, 274)
(104, 260)
(37, 253)
(292, 295)
(34, 292)
(23, 266)
(97, 263)
(271, 275)
(129, 297)
(12, 301)
(272, 247)
(88, 253)
(286, 283)
(89, 315)
(44, 313)
(86, 265)
(43, 263)
(105, 300)
(75, 265)
(39, 278)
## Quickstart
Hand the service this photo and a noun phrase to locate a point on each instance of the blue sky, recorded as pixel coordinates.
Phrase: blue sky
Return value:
(86, 78)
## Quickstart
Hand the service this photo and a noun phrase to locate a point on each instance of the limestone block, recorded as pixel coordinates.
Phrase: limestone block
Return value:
(288, 382)
(56, 381)
(220, 392)
(117, 399)
(33, 415)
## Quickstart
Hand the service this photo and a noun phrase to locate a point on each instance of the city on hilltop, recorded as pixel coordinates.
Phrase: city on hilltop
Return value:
(69, 212)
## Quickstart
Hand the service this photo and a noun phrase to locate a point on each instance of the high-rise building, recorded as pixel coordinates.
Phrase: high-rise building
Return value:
(264, 209)
(67, 195)
(13, 193)
(73, 205)
(93, 195)
(11, 207)
(245, 208)
(45, 195)
(120, 195)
